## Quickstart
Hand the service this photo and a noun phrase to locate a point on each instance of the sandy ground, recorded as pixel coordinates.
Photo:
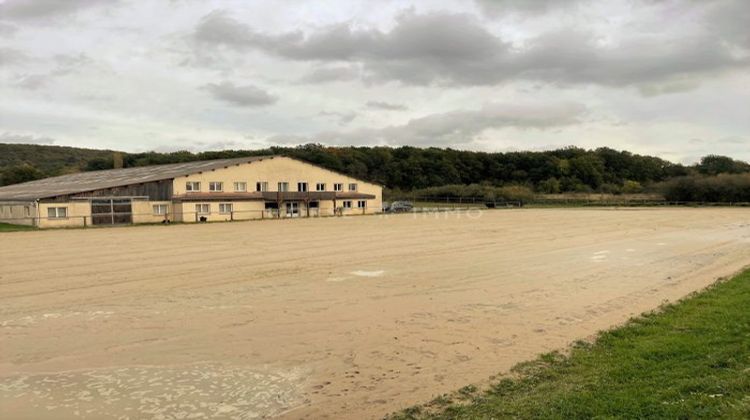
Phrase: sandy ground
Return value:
(341, 318)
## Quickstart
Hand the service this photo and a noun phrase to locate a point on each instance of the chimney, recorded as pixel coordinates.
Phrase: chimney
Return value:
(117, 160)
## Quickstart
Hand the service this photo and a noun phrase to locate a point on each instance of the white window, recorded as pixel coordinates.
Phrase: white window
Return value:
(216, 186)
(338, 187)
(160, 209)
(240, 186)
(192, 186)
(203, 208)
(225, 208)
(352, 187)
(347, 204)
(261, 186)
(320, 186)
(302, 186)
(27, 211)
(283, 186)
(57, 212)
(361, 204)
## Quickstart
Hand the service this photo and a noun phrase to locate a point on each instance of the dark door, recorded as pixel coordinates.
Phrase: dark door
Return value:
(111, 211)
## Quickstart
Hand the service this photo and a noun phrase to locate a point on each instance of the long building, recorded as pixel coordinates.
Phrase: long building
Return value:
(216, 190)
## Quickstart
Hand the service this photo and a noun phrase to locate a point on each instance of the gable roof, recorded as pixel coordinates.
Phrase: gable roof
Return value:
(97, 180)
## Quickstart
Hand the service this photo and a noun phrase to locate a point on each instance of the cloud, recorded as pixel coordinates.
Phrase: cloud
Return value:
(456, 49)
(494, 8)
(24, 139)
(453, 128)
(343, 118)
(332, 74)
(385, 106)
(45, 9)
(62, 65)
(32, 81)
(730, 18)
(11, 56)
(7, 29)
(244, 96)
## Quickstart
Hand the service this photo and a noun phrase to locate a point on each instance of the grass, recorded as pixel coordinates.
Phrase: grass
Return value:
(7, 227)
(688, 360)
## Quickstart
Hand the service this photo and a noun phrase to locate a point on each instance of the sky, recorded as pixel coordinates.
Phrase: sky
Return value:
(661, 77)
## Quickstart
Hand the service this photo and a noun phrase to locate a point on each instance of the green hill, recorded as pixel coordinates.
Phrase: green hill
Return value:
(24, 162)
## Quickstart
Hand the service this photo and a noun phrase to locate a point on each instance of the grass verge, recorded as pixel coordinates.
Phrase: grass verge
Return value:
(690, 359)
(7, 227)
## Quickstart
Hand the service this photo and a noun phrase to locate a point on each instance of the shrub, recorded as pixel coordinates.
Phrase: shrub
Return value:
(723, 188)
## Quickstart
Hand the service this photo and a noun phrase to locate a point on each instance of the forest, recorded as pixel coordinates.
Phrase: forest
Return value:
(571, 169)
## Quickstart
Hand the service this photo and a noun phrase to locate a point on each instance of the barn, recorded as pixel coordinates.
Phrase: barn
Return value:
(214, 190)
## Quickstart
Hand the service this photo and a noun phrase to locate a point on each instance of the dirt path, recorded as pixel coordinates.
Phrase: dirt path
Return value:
(352, 317)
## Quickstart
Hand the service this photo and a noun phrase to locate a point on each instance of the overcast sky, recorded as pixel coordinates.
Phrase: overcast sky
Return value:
(662, 77)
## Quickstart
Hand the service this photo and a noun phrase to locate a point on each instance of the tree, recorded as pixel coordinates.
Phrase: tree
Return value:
(714, 165)
(20, 173)
(632, 187)
(589, 169)
(550, 186)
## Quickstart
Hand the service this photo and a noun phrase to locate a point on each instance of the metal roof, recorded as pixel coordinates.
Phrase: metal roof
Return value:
(97, 180)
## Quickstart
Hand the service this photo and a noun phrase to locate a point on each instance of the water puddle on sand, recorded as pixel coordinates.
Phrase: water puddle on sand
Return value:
(362, 273)
(191, 392)
(357, 273)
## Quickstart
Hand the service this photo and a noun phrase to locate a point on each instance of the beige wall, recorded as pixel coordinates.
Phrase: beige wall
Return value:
(143, 211)
(79, 214)
(282, 169)
(17, 213)
(241, 210)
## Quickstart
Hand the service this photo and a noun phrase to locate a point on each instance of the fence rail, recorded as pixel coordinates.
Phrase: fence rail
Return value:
(420, 205)
(448, 201)
(170, 217)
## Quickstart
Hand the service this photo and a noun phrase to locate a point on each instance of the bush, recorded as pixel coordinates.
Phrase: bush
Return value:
(476, 191)
(632, 187)
(724, 188)
(550, 186)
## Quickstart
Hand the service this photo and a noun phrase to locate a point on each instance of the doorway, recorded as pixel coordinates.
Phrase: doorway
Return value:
(111, 211)
(292, 209)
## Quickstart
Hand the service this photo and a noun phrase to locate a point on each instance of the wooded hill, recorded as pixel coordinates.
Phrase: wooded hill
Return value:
(404, 168)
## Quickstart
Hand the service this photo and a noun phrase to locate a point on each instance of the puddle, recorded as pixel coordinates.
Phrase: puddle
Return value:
(196, 391)
(361, 273)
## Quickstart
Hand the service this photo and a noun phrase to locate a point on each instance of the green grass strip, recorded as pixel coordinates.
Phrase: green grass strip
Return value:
(7, 227)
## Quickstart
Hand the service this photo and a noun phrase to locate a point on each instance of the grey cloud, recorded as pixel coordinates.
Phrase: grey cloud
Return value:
(7, 29)
(72, 60)
(11, 56)
(731, 18)
(676, 86)
(32, 81)
(455, 49)
(245, 96)
(44, 9)
(62, 66)
(332, 74)
(24, 139)
(453, 128)
(735, 140)
(343, 118)
(385, 106)
(493, 8)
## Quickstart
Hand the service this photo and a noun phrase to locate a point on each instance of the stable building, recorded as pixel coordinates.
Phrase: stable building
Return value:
(216, 190)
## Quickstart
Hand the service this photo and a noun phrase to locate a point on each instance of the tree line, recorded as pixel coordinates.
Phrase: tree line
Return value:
(408, 168)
